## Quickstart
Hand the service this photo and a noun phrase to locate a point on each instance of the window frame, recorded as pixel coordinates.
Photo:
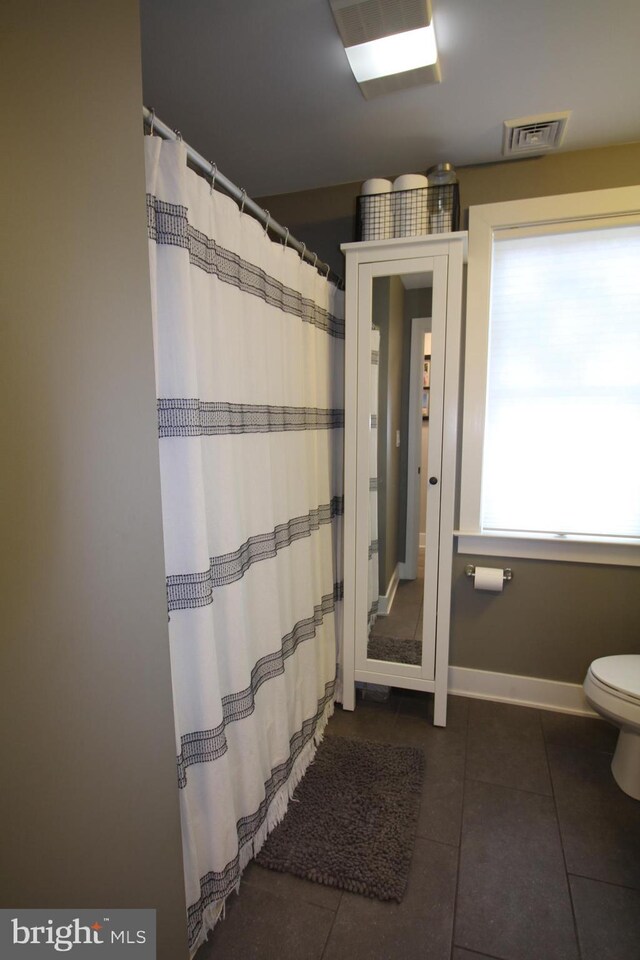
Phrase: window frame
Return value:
(556, 213)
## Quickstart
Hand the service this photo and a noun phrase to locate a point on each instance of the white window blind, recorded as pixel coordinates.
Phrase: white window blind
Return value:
(562, 428)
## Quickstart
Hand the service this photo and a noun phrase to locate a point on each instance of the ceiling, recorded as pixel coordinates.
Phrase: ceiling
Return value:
(263, 87)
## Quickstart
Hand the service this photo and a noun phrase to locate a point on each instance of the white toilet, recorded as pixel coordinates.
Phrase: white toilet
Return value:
(612, 687)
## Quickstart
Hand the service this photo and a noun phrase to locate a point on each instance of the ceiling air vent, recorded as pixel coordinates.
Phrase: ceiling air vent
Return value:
(531, 136)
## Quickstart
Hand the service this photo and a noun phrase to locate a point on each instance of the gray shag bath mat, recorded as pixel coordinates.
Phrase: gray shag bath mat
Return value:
(394, 650)
(352, 820)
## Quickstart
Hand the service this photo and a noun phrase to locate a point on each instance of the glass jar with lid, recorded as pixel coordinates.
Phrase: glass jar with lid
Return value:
(443, 199)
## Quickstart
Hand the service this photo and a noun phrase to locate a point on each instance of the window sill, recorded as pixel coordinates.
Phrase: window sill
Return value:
(611, 552)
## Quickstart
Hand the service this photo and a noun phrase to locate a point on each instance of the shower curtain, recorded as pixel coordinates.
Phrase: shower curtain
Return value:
(249, 370)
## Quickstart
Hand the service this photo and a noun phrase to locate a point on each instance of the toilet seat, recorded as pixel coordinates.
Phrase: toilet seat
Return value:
(618, 675)
(612, 687)
(607, 694)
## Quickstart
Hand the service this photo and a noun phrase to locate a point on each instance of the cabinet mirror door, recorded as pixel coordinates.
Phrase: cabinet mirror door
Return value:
(401, 318)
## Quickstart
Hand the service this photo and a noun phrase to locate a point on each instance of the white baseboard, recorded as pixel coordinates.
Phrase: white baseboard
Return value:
(525, 691)
(386, 602)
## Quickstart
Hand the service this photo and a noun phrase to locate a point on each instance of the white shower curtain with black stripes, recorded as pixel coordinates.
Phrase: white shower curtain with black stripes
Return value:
(249, 369)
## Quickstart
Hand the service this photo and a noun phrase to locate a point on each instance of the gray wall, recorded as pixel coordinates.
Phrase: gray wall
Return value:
(380, 319)
(551, 620)
(89, 804)
(325, 217)
(417, 303)
(424, 474)
(388, 306)
(555, 617)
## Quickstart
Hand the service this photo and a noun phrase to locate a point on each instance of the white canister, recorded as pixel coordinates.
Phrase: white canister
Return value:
(376, 185)
(375, 209)
(411, 212)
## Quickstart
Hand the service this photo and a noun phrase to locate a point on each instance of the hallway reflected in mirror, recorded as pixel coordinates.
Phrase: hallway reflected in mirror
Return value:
(397, 637)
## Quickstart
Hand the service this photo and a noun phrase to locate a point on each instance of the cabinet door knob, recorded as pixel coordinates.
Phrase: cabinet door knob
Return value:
(433, 480)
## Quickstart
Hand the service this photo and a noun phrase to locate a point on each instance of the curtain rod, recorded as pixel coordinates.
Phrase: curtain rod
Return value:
(239, 195)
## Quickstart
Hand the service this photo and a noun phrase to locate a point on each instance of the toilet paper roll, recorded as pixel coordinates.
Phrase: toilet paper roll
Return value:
(488, 578)
(375, 209)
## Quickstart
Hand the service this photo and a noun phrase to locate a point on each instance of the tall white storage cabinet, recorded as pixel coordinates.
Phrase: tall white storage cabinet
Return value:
(427, 261)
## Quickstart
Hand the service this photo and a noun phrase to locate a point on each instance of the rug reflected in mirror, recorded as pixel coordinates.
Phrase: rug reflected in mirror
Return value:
(394, 649)
(352, 820)
(397, 637)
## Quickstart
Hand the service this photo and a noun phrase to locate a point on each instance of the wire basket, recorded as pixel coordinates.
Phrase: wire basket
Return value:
(408, 213)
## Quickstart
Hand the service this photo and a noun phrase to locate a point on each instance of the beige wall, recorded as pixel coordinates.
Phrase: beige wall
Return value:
(89, 803)
(424, 474)
(417, 303)
(388, 302)
(395, 424)
(572, 172)
(554, 618)
(325, 218)
(551, 620)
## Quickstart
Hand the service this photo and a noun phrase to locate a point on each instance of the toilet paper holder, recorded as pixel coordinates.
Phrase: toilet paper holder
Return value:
(470, 570)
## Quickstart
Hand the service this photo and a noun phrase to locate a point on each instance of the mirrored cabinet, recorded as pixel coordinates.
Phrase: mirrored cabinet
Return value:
(403, 312)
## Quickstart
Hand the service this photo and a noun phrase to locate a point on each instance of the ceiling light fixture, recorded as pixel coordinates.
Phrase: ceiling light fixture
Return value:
(390, 44)
(395, 54)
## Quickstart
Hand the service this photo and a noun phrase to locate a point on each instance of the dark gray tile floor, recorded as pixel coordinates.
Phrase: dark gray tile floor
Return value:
(526, 850)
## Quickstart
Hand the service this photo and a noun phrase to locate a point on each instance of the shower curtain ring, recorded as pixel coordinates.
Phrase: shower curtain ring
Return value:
(214, 174)
(315, 259)
(328, 272)
(178, 135)
(152, 121)
(244, 197)
(266, 226)
(286, 237)
(302, 252)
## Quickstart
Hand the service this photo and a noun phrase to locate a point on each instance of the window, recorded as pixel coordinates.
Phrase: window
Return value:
(551, 442)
